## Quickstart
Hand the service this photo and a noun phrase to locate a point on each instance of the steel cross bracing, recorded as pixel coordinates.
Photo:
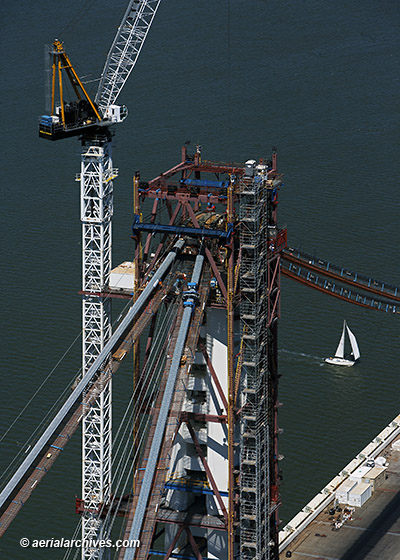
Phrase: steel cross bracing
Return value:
(125, 50)
(96, 181)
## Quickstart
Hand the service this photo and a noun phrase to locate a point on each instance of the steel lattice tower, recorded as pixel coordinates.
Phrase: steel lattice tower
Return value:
(221, 461)
(96, 178)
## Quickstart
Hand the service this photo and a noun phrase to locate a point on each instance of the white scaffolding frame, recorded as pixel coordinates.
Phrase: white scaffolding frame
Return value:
(254, 440)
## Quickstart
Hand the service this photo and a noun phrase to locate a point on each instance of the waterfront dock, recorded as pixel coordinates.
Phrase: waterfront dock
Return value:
(372, 532)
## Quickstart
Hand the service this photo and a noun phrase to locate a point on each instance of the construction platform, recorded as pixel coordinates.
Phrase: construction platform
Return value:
(372, 532)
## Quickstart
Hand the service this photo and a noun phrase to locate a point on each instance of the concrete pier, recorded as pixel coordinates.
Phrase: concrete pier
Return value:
(372, 533)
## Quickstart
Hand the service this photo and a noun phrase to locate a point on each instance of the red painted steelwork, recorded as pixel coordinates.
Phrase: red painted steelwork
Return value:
(290, 274)
(180, 167)
(214, 375)
(173, 543)
(274, 287)
(198, 416)
(161, 244)
(205, 167)
(193, 543)
(281, 240)
(207, 469)
(184, 196)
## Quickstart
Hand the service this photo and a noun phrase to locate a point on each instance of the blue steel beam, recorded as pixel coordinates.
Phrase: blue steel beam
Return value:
(180, 230)
(205, 183)
(192, 489)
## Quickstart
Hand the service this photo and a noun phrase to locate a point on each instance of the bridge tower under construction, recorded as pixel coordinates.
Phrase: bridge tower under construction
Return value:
(203, 324)
(213, 491)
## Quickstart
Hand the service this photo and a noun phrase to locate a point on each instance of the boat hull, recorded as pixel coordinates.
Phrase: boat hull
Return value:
(339, 362)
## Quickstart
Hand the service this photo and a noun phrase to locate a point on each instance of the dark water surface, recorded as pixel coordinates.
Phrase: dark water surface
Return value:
(319, 80)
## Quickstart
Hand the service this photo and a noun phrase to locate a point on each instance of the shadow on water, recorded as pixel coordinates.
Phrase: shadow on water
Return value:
(368, 540)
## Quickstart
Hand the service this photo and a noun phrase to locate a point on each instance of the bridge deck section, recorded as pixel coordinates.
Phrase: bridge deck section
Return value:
(327, 268)
(329, 286)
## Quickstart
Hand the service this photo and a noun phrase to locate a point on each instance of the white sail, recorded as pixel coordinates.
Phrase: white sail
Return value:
(354, 345)
(340, 349)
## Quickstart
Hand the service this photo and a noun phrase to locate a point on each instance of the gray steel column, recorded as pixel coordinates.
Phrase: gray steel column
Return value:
(163, 414)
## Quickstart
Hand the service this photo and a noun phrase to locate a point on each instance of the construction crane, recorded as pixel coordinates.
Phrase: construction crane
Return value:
(91, 121)
(83, 116)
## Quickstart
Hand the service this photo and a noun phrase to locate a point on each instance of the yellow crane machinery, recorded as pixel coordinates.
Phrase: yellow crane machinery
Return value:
(73, 117)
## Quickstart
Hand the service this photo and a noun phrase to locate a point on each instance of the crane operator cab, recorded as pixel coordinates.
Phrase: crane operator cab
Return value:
(79, 115)
(116, 113)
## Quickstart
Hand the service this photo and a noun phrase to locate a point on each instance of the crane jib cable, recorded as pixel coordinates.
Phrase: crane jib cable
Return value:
(136, 307)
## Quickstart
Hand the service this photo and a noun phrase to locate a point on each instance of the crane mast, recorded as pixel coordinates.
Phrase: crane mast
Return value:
(96, 188)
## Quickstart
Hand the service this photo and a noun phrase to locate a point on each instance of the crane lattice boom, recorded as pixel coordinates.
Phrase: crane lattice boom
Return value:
(124, 51)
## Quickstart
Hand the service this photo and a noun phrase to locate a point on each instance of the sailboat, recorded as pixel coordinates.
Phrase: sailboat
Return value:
(339, 359)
